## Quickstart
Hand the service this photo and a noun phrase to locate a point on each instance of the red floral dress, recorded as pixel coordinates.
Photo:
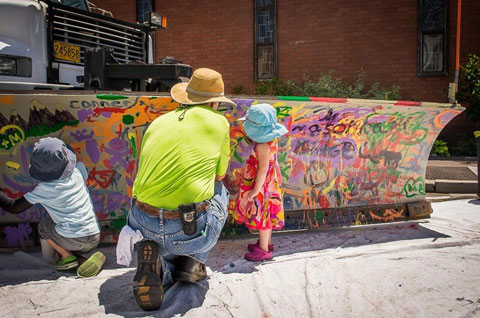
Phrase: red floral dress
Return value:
(266, 210)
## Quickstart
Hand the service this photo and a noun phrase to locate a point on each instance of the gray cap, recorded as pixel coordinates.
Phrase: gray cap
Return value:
(51, 160)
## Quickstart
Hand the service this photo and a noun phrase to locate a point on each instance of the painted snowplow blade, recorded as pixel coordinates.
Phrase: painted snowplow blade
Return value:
(343, 162)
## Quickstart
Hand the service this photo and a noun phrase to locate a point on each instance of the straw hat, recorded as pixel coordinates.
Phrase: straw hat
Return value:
(205, 86)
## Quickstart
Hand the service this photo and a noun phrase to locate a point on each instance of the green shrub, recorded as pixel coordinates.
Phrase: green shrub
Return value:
(377, 92)
(276, 87)
(327, 85)
(283, 88)
(262, 87)
(238, 90)
(470, 87)
(440, 148)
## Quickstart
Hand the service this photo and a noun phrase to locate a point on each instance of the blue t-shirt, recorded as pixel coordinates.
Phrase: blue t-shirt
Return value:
(69, 204)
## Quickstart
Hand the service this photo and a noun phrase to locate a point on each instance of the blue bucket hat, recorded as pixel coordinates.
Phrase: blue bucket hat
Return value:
(51, 160)
(260, 123)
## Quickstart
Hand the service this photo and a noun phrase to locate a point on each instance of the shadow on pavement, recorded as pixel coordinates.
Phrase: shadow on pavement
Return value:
(476, 201)
(21, 267)
(227, 256)
(116, 295)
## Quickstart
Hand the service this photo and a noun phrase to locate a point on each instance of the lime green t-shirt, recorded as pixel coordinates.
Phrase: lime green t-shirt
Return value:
(179, 159)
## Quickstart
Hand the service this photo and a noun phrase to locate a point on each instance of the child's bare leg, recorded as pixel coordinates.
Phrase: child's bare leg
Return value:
(264, 237)
(270, 237)
(60, 250)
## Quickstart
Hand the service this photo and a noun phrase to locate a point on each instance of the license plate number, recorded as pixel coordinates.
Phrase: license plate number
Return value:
(67, 52)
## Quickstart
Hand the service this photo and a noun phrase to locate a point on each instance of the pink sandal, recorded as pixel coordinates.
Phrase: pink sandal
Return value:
(258, 255)
(251, 246)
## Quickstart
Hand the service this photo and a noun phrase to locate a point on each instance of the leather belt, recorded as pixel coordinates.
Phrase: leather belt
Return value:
(168, 214)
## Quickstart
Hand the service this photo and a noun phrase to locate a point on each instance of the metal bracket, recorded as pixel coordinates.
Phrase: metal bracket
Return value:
(418, 210)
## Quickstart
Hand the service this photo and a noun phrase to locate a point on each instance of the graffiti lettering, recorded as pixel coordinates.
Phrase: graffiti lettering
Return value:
(78, 104)
(11, 135)
(414, 187)
(329, 128)
(407, 128)
(316, 149)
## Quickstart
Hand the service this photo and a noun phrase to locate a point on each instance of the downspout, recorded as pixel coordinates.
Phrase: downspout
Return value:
(453, 87)
(457, 49)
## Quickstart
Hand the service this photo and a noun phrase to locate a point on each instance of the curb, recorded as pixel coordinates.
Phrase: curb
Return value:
(451, 186)
(461, 159)
(430, 197)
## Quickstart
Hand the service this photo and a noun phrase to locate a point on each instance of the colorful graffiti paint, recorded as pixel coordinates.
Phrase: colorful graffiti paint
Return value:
(19, 235)
(336, 154)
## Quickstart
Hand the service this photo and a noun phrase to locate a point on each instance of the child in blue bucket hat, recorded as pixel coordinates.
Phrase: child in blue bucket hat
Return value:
(259, 203)
(71, 227)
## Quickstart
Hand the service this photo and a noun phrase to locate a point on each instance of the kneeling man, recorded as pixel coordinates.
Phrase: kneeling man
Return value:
(179, 203)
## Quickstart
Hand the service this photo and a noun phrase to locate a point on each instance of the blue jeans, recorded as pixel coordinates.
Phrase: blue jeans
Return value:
(171, 239)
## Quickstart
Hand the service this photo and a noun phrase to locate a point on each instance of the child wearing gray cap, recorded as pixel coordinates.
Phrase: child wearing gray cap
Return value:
(71, 227)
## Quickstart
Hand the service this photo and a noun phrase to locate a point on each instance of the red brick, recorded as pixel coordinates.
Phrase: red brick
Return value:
(313, 37)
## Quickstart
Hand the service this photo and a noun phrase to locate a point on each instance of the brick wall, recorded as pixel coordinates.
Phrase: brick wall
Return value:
(378, 36)
(215, 34)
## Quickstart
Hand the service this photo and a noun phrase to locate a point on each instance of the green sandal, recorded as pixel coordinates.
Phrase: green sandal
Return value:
(92, 266)
(66, 263)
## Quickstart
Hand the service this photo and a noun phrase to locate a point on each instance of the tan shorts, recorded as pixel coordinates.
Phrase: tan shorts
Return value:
(82, 245)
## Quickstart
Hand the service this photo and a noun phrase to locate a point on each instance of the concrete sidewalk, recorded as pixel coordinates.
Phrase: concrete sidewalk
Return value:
(423, 268)
(451, 179)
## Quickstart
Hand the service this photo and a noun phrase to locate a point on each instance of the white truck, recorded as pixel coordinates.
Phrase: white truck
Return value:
(44, 45)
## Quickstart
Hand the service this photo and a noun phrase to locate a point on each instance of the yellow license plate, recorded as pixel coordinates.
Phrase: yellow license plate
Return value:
(67, 52)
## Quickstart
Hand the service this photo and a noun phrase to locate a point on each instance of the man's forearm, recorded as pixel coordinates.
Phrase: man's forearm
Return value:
(13, 206)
